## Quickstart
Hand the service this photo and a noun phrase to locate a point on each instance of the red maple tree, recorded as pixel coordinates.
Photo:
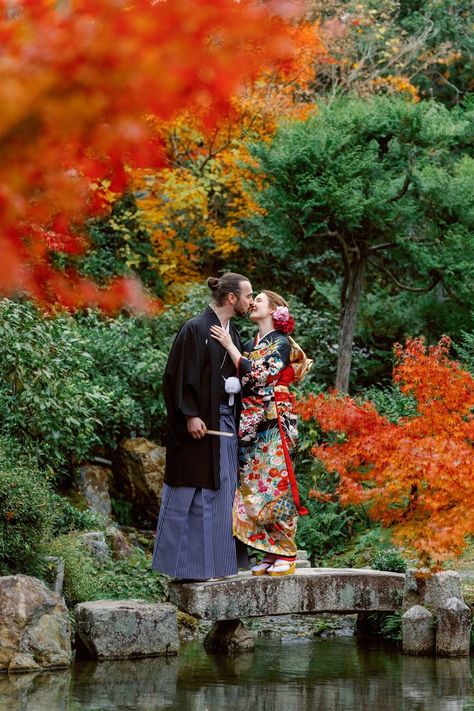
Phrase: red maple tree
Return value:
(416, 474)
(78, 80)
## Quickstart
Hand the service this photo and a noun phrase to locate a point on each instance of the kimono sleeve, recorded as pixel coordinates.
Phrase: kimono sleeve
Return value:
(182, 377)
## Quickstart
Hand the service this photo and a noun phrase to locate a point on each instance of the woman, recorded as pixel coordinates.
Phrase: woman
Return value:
(266, 505)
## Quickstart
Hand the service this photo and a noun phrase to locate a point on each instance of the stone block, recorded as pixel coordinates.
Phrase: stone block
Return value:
(113, 629)
(121, 547)
(430, 590)
(229, 636)
(418, 631)
(97, 545)
(453, 629)
(34, 626)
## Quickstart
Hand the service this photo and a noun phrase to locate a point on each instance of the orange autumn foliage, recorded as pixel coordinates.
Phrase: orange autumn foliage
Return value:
(78, 79)
(417, 474)
(195, 207)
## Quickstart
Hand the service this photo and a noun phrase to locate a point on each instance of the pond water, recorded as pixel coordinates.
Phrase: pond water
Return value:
(322, 675)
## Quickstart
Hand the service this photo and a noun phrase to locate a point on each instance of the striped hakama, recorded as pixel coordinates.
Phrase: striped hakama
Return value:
(194, 533)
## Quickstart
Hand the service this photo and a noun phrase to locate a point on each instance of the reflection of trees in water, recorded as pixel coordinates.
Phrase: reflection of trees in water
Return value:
(328, 675)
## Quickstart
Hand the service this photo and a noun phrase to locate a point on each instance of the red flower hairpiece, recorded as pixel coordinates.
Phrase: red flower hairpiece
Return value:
(283, 320)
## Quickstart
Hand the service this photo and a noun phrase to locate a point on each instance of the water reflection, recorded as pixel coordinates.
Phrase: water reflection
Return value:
(327, 675)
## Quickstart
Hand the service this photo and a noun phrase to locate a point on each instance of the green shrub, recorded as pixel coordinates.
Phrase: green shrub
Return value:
(119, 246)
(465, 349)
(391, 402)
(80, 572)
(69, 518)
(390, 559)
(26, 513)
(385, 624)
(131, 578)
(329, 527)
(72, 385)
(129, 355)
(48, 398)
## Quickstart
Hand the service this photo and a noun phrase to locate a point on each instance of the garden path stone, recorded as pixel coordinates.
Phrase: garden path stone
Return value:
(113, 629)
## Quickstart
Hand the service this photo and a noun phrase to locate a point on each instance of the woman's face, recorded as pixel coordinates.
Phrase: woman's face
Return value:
(261, 308)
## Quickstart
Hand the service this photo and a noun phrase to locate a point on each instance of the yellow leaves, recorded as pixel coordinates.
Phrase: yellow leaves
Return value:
(393, 84)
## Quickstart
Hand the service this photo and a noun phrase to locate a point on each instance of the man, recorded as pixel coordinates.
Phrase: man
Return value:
(194, 534)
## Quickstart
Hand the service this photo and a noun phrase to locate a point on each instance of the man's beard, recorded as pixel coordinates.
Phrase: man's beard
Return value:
(239, 309)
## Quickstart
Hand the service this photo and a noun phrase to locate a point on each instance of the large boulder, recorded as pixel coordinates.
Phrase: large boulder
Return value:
(114, 629)
(34, 626)
(94, 485)
(139, 469)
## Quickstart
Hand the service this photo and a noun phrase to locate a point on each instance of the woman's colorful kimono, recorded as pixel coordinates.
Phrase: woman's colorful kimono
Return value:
(266, 504)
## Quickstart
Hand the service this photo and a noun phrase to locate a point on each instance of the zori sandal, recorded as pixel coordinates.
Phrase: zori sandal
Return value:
(282, 567)
(262, 567)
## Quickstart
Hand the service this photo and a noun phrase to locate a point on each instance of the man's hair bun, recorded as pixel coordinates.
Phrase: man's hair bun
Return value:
(213, 283)
(228, 283)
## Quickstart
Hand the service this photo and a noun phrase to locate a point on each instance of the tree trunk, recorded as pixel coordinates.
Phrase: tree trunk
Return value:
(348, 322)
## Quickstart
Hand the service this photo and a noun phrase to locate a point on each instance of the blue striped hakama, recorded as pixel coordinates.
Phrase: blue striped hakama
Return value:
(194, 532)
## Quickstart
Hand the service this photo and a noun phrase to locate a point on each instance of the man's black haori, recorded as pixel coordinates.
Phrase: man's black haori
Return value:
(192, 387)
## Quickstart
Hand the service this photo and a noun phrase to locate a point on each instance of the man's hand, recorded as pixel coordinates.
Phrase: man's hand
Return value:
(196, 427)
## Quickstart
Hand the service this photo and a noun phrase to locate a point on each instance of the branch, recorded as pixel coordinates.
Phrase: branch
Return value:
(384, 245)
(415, 289)
(402, 190)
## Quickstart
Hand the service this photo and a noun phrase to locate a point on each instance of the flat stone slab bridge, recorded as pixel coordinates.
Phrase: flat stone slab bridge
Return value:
(309, 590)
(435, 617)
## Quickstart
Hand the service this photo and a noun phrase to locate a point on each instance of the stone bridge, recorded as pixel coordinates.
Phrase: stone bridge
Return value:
(435, 617)
(309, 590)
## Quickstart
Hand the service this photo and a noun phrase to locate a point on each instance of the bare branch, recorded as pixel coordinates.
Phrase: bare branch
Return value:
(384, 245)
(403, 189)
(414, 289)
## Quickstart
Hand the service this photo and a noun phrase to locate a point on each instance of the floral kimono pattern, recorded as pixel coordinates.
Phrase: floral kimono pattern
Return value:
(266, 504)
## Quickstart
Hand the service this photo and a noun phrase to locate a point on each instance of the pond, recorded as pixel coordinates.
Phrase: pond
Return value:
(323, 675)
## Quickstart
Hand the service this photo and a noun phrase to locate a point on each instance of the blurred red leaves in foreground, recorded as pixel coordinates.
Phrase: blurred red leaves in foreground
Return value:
(416, 474)
(78, 80)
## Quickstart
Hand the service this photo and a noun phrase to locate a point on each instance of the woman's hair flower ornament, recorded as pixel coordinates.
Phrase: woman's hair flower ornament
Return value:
(283, 320)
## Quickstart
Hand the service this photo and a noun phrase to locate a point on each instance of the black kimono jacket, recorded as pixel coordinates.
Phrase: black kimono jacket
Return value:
(192, 386)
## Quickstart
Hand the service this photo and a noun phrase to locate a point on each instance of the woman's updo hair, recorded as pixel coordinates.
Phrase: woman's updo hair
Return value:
(274, 299)
(282, 319)
(228, 283)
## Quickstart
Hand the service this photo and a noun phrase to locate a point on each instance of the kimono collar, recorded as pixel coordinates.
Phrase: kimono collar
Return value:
(210, 311)
(258, 339)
